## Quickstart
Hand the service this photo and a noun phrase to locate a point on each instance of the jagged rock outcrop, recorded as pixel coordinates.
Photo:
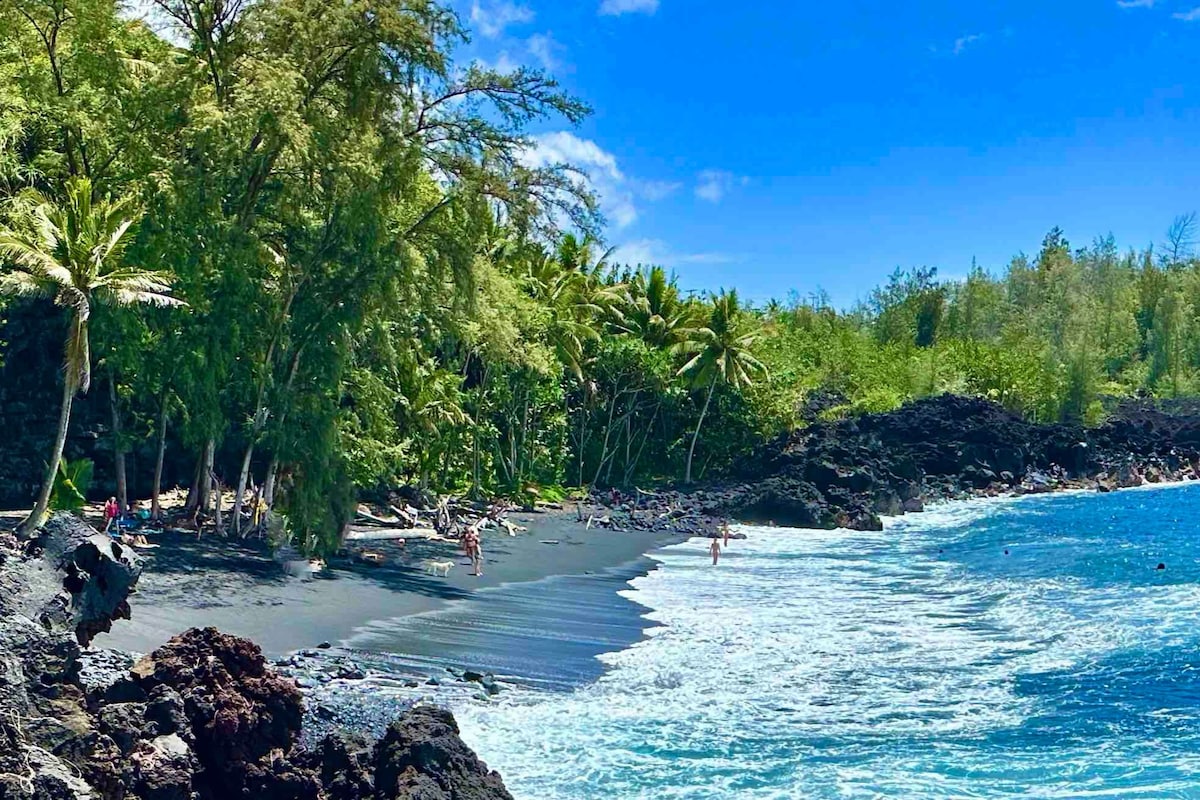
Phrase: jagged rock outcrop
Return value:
(850, 472)
(422, 757)
(56, 592)
(201, 718)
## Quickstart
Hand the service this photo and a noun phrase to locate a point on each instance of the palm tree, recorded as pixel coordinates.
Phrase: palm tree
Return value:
(73, 253)
(575, 291)
(653, 309)
(720, 353)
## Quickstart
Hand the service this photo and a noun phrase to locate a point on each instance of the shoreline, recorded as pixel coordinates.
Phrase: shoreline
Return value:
(347, 602)
(241, 590)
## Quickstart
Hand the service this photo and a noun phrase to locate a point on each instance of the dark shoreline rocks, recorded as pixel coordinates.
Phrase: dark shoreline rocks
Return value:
(849, 473)
(201, 718)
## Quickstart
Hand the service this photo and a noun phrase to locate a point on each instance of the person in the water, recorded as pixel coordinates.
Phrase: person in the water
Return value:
(725, 530)
(715, 549)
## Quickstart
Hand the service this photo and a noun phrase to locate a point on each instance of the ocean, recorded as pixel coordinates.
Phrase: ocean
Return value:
(1022, 647)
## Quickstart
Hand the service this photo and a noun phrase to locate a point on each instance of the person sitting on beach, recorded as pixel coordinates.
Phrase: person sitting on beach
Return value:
(140, 512)
(715, 549)
(136, 540)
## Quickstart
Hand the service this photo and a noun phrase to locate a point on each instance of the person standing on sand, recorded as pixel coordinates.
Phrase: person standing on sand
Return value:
(473, 548)
(715, 549)
(476, 552)
(111, 512)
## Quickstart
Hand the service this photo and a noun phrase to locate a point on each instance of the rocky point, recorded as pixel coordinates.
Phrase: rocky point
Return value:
(202, 718)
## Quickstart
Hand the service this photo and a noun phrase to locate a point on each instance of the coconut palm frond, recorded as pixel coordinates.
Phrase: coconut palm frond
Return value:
(19, 283)
(33, 257)
(135, 280)
(113, 247)
(127, 297)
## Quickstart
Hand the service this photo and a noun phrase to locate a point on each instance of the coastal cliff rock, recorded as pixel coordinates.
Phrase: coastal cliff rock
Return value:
(850, 472)
(201, 718)
(56, 592)
(846, 473)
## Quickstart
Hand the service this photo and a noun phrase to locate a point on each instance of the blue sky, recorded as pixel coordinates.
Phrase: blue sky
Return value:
(778, 146)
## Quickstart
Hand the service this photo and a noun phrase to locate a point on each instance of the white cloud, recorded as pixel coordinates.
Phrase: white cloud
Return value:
(657, 190)
(492, 18)
(604, 177)
(656, 251)
(963, 42)
(501, 63)
(1188, 16)
(1136, 3)
(615, 8)
(713, 184)
(545, 49)
(619, 194)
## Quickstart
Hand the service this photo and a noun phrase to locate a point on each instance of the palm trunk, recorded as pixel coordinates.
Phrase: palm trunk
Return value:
(155, 505)
(118, 446)
(582, 428)
(687, 477)
(37, 517)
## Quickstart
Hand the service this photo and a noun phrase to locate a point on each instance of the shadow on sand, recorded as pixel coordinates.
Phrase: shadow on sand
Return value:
(183, 554)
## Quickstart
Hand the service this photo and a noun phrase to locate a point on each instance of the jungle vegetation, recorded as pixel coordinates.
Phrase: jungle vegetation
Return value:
(298, 232)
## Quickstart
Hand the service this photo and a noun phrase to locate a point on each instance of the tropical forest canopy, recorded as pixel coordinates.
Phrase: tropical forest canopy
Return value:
(298, 240)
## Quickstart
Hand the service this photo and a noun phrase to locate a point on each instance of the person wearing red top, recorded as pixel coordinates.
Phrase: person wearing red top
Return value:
(111, 512)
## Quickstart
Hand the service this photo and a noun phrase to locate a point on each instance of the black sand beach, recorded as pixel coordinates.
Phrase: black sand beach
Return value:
(190, 582)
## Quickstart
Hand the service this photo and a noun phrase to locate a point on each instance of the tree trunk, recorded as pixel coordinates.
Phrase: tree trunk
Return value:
(206, 478)
(604, 445)
(631, 468)
(217, 520)
(274, 467)
(269, 483)
(118, 445)
(687, 477)
(260, 419)
(582, 429)
(37, 517)
(155, 505)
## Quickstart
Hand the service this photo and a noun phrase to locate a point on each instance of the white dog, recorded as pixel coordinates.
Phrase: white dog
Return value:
(439, 567)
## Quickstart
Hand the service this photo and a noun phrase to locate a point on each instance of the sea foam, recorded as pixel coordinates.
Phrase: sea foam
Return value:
(918, 661)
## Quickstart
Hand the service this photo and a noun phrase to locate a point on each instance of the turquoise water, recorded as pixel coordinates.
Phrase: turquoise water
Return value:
(917, 662)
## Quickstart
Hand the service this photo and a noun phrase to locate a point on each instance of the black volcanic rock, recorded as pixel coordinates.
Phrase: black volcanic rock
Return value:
(422, 757)
(201, 718)
(850, 472)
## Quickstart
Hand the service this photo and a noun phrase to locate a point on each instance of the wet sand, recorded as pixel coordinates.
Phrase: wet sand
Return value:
(190, 582)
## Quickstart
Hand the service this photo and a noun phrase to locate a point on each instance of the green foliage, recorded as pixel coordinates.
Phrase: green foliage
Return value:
(384, 284)
(71, 485)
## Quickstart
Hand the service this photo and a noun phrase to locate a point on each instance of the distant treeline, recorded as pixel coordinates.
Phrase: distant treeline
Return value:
(293, 242)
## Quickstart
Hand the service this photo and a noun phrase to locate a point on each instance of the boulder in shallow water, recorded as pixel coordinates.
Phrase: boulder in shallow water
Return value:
(421, 757)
